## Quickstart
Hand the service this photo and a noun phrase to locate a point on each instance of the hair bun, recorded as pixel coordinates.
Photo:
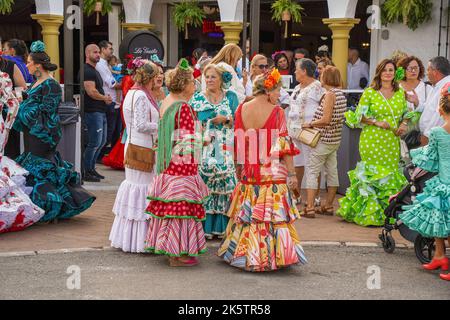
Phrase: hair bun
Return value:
(37, 47)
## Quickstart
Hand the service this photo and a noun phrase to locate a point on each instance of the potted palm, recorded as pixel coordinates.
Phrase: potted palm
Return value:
(285, 11)
(411, 13)
(98, 6)
(6, 6)
(188, 13)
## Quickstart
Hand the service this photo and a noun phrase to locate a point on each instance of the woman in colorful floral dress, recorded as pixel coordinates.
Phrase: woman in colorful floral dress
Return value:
(215, 108)
(381, 113)
(261, 235)
(16, 209)
(178, 192)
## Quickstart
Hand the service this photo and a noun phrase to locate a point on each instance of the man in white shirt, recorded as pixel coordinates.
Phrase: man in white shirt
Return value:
(357, 71)
(438, 72)
(109, 86)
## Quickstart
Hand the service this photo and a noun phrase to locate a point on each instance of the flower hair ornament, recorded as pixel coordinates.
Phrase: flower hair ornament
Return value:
(272, 80)
(183, 64)
(277, 53)
(37, 46)
(155, 59)
(226, 79)
(445, 91)
(399, 74)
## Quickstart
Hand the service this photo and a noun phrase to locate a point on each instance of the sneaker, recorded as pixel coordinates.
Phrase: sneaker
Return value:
(95, 173)
(89, 177)
(317, 202)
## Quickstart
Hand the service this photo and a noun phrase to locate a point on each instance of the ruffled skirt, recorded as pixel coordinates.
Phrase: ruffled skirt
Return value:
(368, 195)
(56, 187)
(430, 213)
(130, 225)
(17, 211)
(261, 235)
(176, 210)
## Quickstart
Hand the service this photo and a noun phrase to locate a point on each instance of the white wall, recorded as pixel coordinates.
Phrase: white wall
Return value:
(158, 17)
(423, 42)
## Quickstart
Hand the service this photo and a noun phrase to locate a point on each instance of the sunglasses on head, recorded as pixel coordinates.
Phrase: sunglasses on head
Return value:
(263, 66)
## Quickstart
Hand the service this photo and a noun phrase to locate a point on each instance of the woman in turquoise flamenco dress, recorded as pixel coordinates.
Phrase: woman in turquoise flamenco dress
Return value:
(430, 212)
(382, 114)
(215, 108)
(56, 186)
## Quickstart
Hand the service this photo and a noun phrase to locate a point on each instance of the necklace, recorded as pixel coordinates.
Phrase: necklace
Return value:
(214, 99)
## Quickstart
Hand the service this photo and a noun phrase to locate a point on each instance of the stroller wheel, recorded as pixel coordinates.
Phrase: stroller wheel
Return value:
(388, 242)
(424, 248)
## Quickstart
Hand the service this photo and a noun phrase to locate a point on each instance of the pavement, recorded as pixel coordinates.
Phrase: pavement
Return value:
(91, 228)
(332, 273)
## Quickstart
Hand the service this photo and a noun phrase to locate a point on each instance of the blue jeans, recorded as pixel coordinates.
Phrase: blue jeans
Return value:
(97, 130)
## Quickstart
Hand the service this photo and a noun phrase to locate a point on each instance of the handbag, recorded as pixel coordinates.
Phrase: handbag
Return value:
(138, 157)
(308, 136)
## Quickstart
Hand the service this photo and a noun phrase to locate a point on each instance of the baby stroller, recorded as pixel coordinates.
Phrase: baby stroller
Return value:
(423, 247)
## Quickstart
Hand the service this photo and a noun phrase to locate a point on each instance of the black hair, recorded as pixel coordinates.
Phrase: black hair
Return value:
(43, 59)
(302, 51)
(104, 44)
(20, 47)
(280, 55)
(197, 53)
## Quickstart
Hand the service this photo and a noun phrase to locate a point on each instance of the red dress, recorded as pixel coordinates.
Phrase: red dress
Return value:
(115, 158)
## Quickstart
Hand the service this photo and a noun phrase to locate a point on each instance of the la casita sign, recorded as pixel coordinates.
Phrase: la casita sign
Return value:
(142, 44)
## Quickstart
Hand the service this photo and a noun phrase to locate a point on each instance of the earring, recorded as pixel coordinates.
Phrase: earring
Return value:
(37, 73)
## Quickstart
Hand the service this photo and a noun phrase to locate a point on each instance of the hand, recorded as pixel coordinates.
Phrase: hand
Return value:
(219, 119)
(413, 98)
(382, 125)
(307, 125)
(401, 130)
(108, 99)
(292, 184)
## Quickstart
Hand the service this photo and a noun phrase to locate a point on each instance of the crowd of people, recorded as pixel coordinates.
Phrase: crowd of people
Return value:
(224, 147)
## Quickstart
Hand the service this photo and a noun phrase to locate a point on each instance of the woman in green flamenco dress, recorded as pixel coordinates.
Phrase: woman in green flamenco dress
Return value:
(215, 107)
(382, 115)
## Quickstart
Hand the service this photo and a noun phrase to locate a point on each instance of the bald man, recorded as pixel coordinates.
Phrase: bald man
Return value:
(95, 108)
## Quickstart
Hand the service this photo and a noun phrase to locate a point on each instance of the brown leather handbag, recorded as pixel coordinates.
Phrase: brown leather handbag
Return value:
(138, 157)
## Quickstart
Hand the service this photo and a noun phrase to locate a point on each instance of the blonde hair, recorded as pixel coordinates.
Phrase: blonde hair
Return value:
(230, 54)
(259, 85)
(146, 73)
(256, 58)
(177, 79)
(220, 71)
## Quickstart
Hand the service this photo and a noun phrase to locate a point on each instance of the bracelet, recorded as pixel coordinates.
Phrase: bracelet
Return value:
(292, 174)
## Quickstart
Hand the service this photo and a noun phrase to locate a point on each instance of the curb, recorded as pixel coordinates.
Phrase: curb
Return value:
(213, 245)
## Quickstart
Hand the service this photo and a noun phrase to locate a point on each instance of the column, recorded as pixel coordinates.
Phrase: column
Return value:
(137, 15)
(50, 31)
(341, 34)
(232, 31)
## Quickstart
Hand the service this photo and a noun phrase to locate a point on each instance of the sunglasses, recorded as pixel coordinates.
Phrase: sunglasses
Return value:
(412, 69)
(263, 66)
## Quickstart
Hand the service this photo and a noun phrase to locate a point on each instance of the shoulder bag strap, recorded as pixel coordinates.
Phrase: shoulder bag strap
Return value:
(390, 108)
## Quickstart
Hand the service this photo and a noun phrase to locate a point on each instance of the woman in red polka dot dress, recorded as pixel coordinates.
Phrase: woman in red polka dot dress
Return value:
(178, 192)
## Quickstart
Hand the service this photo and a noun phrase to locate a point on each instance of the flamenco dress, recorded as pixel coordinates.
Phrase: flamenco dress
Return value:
(261, 235)
(56, 186)
(115, 157)
(429, 214)
(217, 166)
(378, 175)
(178, 193)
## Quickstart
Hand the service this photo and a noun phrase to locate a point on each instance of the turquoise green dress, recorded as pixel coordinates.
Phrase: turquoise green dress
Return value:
(377, 176)
(217, 168)
(430, 213)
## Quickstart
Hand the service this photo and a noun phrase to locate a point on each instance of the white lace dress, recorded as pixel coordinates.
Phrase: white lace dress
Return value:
(131, 222)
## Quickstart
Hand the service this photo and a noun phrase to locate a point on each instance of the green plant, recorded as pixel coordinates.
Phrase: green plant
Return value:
(89, 6)
(409, 12)
(6, 6)
(187, 13)
(286, 10)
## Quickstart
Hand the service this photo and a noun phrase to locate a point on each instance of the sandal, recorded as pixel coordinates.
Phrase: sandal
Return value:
(178, 262)
(327, 211)
(309, 213)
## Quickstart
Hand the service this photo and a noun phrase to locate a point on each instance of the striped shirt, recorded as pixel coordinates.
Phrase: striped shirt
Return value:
(331, 134)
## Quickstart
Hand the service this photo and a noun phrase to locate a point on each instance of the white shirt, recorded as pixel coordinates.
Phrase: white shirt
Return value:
(108, 79)
(423, 91)
(355, 72)
(430, 116)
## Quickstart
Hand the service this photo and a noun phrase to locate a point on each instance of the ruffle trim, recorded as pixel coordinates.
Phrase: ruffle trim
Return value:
(177, 210)
(426, 158)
